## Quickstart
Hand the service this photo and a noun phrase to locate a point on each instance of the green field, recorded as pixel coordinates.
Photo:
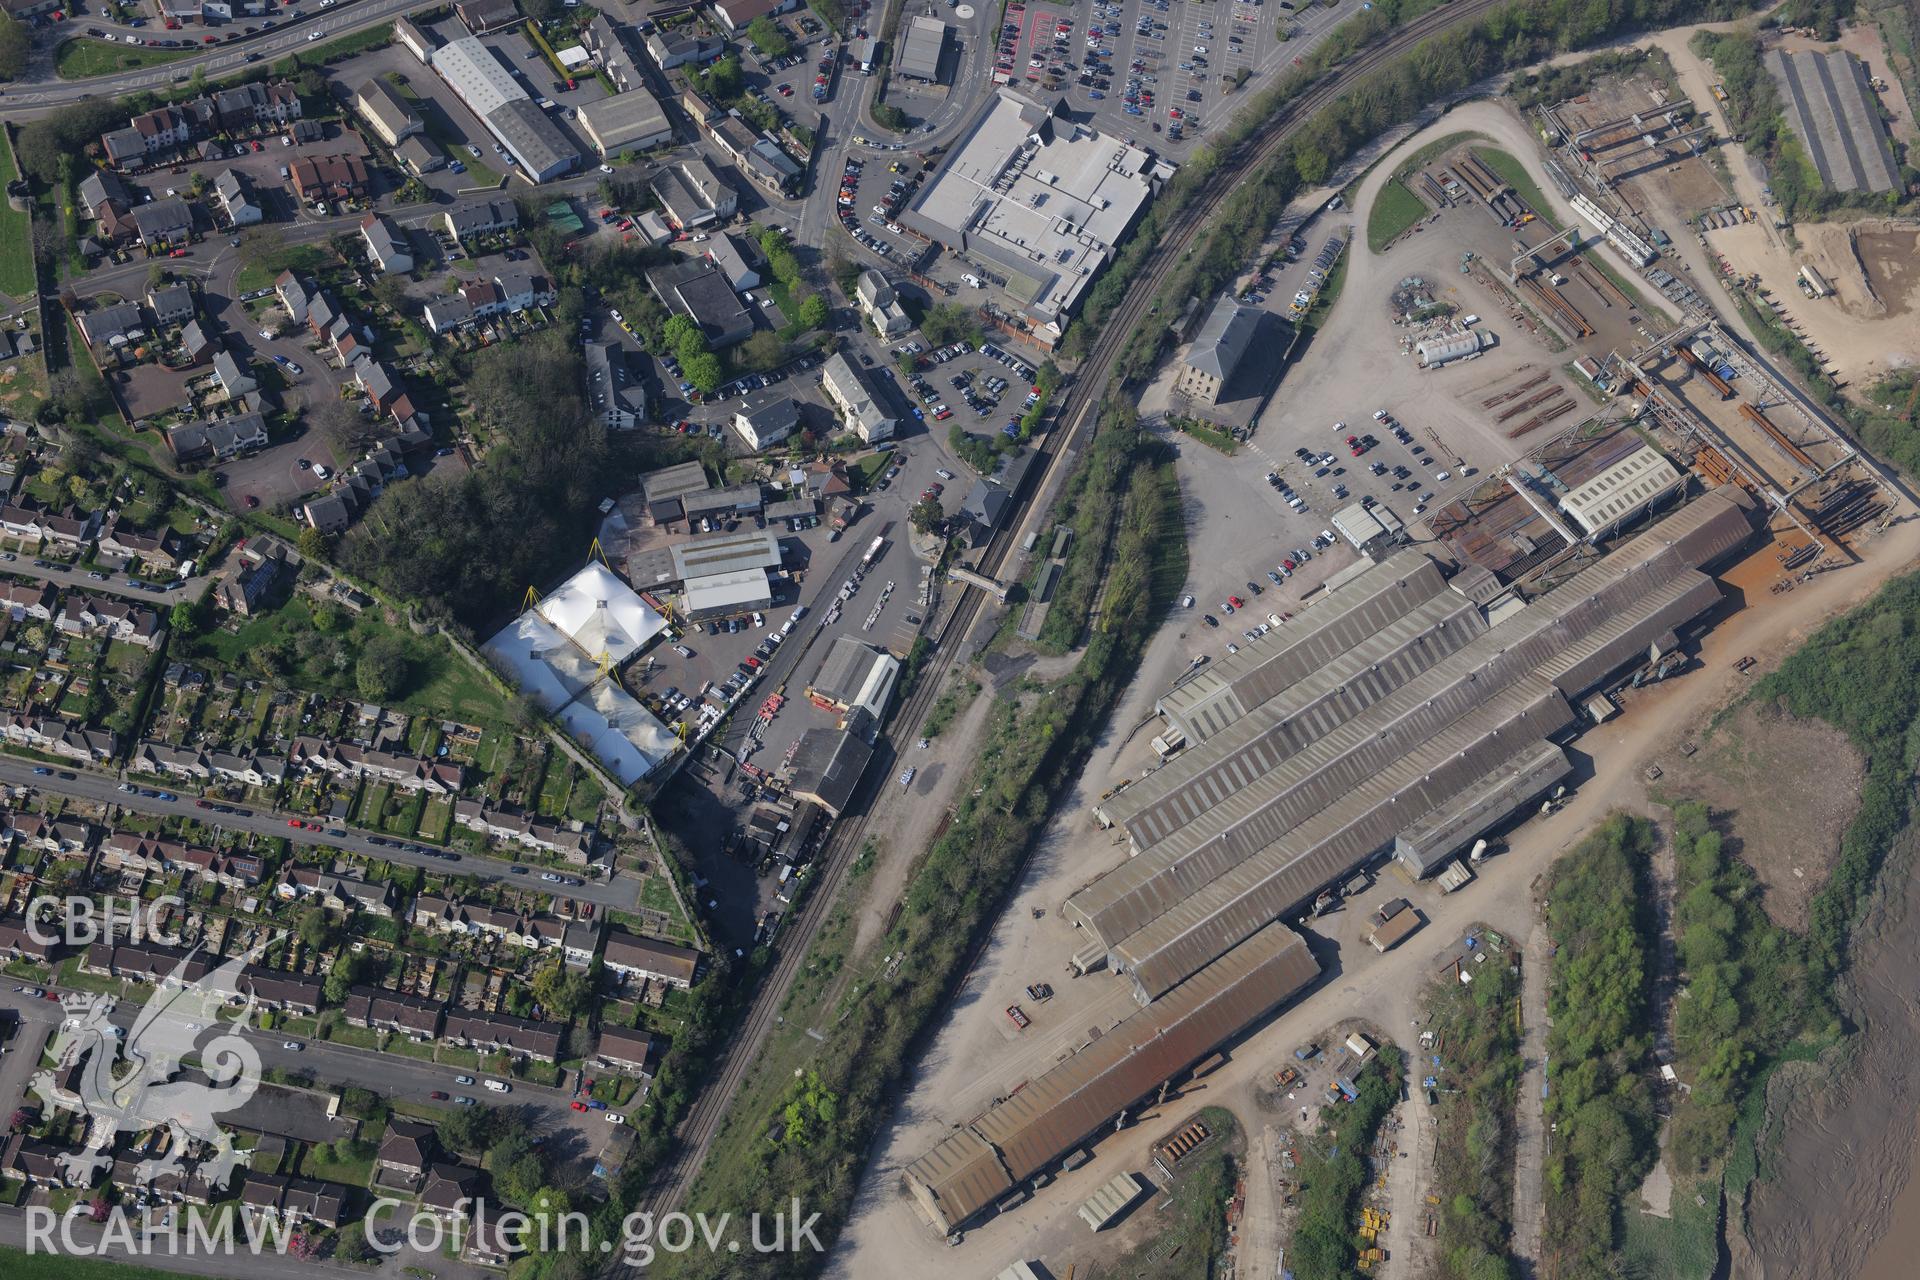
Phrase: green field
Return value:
(16, 238)
(302, 258)
(440, 683)
(1395, 210)
(78, 59)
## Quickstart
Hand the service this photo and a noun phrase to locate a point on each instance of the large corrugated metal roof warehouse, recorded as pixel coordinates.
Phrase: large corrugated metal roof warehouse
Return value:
(718, 553)
(978, 1163)
(1221, 856)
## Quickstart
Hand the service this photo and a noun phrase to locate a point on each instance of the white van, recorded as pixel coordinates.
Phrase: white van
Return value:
(499, 1086)
(972, 280)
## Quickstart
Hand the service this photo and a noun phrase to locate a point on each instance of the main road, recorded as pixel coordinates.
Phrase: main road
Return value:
(24, 100)
(620, 892)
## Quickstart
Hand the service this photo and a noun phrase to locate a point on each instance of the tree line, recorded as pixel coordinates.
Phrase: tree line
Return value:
(1600, 1105)
(1748, 994)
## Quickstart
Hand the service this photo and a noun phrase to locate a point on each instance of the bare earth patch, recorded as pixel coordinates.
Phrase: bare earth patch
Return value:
(1788, 788)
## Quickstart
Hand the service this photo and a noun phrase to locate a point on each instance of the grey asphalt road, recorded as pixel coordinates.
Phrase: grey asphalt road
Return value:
(113, 584)
(390, 1075)
(621, 892)
(26, 99)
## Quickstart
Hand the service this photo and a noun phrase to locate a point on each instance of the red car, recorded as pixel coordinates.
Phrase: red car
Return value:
(295, 822)
(203, 804)
(1236, 602)
(578, 1106)
(252, 502)
(754, 663)
(438, 1095)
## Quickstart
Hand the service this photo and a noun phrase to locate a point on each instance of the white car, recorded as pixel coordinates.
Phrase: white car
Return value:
(463, 1079)
(1186, 601)
(906, 778)
(314, 34)
(499, 1086)
(606, 168)
(614, 1117)
(292, 1046)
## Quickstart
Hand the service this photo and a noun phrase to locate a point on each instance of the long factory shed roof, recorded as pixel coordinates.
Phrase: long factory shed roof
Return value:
(1169, 798)
(1240, 682)
(1014, 1139)
(1247, 859)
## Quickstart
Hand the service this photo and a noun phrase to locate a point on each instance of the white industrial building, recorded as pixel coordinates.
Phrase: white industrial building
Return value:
(1447, 347)
(1368, 528)
(630, 121)
(1041, 199)
(479, 78)
(721, 595)
(622, 734)
(563, 654)
(484, 83)
(1630, 486)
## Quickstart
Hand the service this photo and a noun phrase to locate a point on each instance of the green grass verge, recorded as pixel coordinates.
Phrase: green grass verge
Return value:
(16, 237)
(302, 258)
(346, 46)
(1685, 1246)
(1328, 295)
(17, 1265)
(1395, 211)
(79, 59)
(1206, 435)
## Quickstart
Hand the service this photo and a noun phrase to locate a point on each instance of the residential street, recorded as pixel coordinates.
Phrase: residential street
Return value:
(114, 584)
(620, 892)
(40, 92)
(538, 1109)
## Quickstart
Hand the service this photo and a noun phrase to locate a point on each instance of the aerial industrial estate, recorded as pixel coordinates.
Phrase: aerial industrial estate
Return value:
(1027, 641)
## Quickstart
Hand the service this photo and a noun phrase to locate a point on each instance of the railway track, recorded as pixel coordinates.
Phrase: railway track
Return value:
(1081, 399)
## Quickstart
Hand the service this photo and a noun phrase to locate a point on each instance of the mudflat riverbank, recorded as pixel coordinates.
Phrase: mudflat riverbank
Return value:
(1843, 1195)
